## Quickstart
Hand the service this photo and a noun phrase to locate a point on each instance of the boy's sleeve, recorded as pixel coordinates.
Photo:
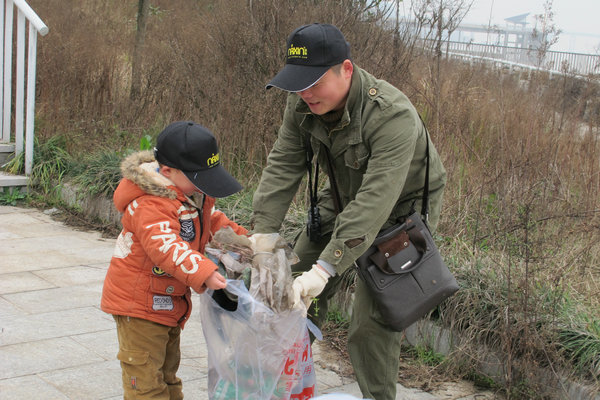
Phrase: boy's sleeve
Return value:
(158, 231)
(219, 220)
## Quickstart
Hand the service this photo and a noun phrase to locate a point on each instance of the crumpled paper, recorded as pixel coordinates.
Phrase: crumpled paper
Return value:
(263, 262)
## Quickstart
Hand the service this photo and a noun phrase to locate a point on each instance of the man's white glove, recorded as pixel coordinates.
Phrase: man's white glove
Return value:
(309, 285)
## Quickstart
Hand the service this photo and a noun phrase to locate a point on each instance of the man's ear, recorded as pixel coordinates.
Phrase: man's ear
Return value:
(347, 69)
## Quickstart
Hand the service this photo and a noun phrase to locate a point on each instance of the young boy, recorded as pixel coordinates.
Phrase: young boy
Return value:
(167, 200)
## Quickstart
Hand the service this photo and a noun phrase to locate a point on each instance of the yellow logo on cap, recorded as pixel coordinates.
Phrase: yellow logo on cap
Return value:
(212, 161)
(297, 52)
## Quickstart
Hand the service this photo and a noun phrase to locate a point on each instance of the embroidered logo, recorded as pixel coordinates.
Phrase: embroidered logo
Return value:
(297, 52)
(213, 161)
(157, 271)
(187, 232)
(162, 303)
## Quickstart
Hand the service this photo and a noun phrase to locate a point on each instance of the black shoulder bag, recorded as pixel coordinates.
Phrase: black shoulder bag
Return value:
(403, 269)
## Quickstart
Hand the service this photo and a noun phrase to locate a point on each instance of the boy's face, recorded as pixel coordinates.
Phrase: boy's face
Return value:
(331, 91)
(180, 180)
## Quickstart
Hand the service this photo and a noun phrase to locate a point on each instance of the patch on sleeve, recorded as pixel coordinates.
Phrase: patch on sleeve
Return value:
(162, 303)
(123, 245)
(352, 243)
(188, 231)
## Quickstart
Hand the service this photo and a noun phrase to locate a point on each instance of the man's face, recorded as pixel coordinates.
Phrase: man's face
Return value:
(330, 92)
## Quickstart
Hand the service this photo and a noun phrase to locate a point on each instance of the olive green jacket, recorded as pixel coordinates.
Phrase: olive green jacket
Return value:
(378, 150)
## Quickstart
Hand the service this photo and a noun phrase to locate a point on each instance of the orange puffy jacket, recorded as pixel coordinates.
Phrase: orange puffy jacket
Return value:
(159, 253)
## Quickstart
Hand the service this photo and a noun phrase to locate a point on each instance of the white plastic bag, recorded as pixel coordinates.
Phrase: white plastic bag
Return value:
(298, 380)
(253, 352)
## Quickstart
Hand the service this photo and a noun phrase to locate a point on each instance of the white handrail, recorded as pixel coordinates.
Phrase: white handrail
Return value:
(30, 117)
(32, 17)
(2, 138)
(7, 77)
(24, 106)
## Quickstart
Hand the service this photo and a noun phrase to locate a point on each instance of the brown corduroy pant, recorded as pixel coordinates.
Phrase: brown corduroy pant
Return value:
(149, 355)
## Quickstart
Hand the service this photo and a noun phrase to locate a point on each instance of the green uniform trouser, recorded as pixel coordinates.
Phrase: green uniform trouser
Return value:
(374, 349)
(149, 355)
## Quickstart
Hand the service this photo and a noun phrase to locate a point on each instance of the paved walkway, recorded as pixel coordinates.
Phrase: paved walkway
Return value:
(56, 343)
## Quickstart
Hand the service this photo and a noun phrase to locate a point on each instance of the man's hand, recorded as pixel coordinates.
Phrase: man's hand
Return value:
(309, 285)
(260, 242)
(214, 281)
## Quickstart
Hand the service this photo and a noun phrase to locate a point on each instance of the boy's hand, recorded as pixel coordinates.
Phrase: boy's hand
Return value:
(215, 281)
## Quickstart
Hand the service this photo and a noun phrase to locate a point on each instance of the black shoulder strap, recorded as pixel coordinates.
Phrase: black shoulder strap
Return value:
(309, 156)
(425, 204)
(337, 201)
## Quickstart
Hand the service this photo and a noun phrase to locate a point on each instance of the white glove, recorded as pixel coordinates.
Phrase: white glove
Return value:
(309, 285)
(263, 242)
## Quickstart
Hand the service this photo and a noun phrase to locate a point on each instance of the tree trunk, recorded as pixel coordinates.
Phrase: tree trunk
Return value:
(136, 61)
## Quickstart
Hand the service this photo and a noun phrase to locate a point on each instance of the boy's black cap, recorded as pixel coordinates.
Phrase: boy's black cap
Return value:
(311, 51)
(192, 148)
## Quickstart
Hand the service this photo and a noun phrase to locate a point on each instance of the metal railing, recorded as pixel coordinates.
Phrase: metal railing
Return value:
(551, 61)
(24, 107)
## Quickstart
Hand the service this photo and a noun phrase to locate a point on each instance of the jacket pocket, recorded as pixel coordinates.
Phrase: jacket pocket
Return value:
(168, 286)
(356, 157)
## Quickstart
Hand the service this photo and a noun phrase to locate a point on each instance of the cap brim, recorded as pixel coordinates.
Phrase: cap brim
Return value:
(296, 78)
(215, 182)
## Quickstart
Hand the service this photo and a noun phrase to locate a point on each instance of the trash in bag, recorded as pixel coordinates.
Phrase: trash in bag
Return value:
(232, 253)
(263, 265)
(258, 345)
(254, 352)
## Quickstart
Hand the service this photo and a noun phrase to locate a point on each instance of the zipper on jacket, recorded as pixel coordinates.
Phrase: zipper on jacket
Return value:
(183, 317)
(201, 215)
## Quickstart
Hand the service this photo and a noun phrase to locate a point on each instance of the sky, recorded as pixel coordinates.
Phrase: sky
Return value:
(577, 19)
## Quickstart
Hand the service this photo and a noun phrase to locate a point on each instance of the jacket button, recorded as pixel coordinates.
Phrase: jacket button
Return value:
(337, 253)
(170, 289)
(372, 92)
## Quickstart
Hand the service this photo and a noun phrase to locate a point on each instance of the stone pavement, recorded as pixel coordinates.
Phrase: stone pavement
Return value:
(56, 343)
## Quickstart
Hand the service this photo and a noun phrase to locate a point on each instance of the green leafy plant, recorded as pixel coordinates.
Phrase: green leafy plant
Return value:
(50, 162)
(10, 196)
(426, 355)
(98, 173)
(337, 317)
(582, 345)
(16, 164)
(146, 142)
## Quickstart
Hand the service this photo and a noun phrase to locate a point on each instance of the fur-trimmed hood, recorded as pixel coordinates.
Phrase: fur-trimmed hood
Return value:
(142, 169)
(141, 177)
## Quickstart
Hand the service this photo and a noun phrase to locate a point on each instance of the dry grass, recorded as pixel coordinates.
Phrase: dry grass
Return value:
(520, 218)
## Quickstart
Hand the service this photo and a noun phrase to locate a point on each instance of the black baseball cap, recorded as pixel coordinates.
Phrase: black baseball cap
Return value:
(192, 148)
(311, 51)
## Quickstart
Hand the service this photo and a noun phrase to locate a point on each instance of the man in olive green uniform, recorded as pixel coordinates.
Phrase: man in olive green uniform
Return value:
(377, 145)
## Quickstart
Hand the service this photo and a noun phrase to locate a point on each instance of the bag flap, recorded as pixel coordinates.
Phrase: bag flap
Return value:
(396, 244)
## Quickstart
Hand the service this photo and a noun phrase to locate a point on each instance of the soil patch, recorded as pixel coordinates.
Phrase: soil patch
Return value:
(412, 373)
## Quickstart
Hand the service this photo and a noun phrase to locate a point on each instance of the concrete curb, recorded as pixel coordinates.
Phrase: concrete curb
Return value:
(443, 341)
